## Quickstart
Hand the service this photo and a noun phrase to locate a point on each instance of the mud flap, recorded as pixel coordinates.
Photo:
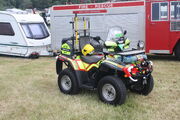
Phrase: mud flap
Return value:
(59, 65)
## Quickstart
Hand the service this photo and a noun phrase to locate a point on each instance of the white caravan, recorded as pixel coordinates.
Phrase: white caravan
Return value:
(23, 34)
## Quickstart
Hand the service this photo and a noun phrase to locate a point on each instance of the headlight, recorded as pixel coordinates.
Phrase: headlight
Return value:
(141, 45)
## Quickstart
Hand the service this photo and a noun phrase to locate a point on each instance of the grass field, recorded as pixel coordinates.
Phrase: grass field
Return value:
(29, 91)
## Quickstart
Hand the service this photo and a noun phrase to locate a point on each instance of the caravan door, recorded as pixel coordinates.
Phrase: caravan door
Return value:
(17, 42)
(157, 27)
(11, 40)
(6, 33)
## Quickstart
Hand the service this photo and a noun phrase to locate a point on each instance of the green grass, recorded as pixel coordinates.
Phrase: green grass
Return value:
(29, 91)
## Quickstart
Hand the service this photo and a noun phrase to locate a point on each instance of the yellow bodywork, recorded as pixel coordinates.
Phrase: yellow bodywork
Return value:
(85, 66)
(78, 64)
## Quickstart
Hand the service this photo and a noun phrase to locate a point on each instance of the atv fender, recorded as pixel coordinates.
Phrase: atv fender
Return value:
(109, 65)
(70, 61)
(82, 76)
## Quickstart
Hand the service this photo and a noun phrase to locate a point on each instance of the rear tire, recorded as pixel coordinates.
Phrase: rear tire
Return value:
(177, 51)
(112, 90)
(144, 89)
(67, 82)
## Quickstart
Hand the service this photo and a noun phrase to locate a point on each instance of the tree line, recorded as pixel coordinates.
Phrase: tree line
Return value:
(39, 4)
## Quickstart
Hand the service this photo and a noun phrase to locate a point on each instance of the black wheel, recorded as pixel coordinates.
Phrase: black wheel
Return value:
(67, 82)
(34, 55)
(112, 90)
(143, 88)
(177, 51)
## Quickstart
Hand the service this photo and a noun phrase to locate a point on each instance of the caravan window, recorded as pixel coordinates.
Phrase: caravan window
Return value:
(6, 29)
(35, 30)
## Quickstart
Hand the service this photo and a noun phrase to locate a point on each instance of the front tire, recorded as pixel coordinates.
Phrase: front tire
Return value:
(144, 88)
(67, 82)
(112, 90)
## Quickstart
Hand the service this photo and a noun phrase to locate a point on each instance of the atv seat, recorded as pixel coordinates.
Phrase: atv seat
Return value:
(91, 59)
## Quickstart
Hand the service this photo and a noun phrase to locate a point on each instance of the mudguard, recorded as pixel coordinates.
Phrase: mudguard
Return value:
(109, 65)
(81, 74)
(63, 58)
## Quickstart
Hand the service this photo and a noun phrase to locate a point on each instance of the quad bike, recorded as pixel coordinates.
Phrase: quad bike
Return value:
(76, 70)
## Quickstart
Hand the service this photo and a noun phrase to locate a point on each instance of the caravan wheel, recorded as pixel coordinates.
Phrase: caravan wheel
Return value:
(34, 55)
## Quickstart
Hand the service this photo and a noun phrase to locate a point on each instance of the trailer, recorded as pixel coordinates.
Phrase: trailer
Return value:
(23, 34)
(155, 22)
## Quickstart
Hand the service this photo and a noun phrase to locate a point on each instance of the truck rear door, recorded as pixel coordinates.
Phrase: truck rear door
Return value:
(157, 27)
(174, 23)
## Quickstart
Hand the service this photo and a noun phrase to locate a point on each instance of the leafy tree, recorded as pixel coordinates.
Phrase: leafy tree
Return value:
(27, 4)
(41, 4)
(18, 3)
(1, 4)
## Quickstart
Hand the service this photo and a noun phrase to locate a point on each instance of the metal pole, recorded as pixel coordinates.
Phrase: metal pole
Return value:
(84, 20)
(76, 30)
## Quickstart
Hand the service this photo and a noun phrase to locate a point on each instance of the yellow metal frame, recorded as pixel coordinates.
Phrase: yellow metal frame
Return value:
(76, 31)
(76, 26)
